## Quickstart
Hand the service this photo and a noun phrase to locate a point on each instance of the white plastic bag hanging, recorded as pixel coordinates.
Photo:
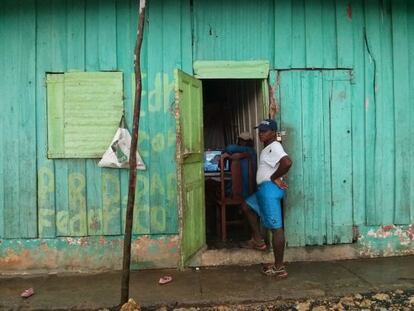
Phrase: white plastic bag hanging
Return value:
(117, 155)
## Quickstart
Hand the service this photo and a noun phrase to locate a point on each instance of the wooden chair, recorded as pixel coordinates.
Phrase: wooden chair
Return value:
(231, 188)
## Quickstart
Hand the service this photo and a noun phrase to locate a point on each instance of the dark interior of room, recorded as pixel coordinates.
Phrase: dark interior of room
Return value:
(229, 107)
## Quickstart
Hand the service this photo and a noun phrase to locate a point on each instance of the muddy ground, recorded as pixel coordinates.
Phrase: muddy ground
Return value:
(378, 301)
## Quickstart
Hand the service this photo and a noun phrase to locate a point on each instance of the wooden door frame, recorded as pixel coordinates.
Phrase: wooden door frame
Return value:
(203, 70)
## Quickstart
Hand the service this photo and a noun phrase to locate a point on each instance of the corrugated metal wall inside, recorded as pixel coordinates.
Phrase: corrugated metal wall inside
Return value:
(231, 107)
(247, 98)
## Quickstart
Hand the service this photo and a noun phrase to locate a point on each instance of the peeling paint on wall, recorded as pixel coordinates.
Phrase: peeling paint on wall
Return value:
(87, 253)
(389, 240)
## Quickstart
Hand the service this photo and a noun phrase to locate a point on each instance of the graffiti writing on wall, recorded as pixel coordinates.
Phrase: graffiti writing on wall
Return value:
(160, 98)
(81, 205)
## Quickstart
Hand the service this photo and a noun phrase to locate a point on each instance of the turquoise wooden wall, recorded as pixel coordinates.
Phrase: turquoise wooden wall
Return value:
(49, 198)
(376, 40)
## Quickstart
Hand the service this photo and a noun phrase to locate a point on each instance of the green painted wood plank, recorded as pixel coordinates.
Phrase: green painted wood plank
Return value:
(1, 158)
(77, 179)
(159, 87)
(156, 117)
(93, 172)
(111, 196)
(291, 114)
(54, 13)
(313, 139)
(142, 204)
(402, 112)
(380, 49)
(386, 125)
(358, 113)
(313, 31)
(11, 170)
(45, 200)
(103, 184)
(329, 34)
(27, 120)
(341, 158)
(4, 18)
(94, 198)
(77, 218)
(55, 85)
(326, 161)
(12, 101)
(168, 168)
(3, 82)
(62, 198)
(344, 33)
(410, 25)
(186, 37)
(215, 22)
(54, 19)
(76, 35)
(201, 28)
(126, 34)
(50, 58)
(258, 69)
(111, 202)
(106, 28)
(91, 35)
(320, 173)
(11, 185)
(372, 64)
(283, 34)
(307, 136)
(298, 34)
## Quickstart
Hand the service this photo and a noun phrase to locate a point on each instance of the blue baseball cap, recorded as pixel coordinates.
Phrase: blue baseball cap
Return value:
(266, 125)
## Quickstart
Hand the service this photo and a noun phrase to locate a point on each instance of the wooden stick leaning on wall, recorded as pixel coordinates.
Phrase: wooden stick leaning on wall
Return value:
(133, 158)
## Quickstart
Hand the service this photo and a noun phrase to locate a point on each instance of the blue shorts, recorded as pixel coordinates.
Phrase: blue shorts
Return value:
(266, 203)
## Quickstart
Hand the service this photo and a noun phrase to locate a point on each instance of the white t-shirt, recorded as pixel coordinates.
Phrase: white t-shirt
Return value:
(269, 161)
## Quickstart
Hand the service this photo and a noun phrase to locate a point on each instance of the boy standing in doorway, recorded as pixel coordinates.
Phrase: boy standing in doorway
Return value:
(265, 203)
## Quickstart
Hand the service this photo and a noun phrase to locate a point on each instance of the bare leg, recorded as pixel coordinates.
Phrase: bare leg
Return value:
(278, 243)
(253, 222)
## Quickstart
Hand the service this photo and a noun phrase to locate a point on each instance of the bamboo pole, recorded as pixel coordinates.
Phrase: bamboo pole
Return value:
(133, 158)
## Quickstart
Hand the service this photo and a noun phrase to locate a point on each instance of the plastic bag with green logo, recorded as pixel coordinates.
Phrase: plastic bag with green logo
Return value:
(117, 155)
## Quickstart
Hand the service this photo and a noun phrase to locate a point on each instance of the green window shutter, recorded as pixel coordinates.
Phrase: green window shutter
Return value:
(89, 108)
(55, 115)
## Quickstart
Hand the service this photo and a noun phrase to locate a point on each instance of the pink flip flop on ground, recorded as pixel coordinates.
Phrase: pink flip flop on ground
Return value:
(27, 293)
(165, 280)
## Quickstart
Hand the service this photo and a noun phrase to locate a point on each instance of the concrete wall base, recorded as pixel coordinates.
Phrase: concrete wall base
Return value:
(240, 256)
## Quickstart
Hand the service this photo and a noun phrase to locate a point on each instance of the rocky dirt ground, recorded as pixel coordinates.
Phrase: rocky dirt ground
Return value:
(379, 301)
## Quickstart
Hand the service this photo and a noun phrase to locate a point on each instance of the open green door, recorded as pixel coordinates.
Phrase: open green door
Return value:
(190, 151)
